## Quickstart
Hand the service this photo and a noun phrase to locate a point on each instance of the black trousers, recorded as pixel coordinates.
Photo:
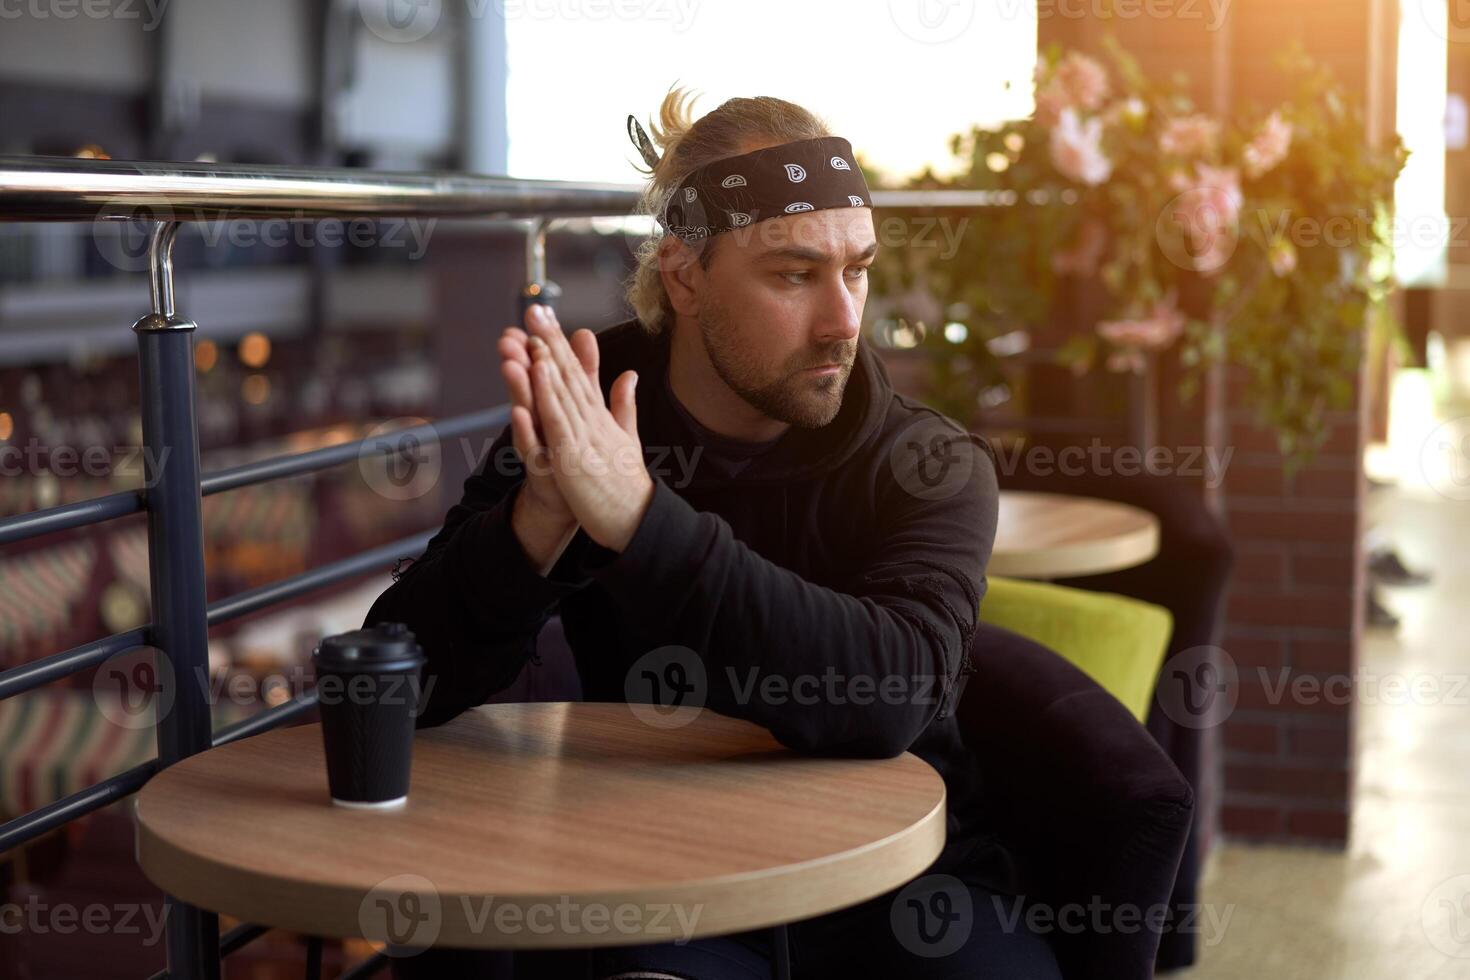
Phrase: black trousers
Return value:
(937, 927)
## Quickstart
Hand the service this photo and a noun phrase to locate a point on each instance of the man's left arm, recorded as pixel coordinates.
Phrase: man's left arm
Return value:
(857, 672)
(872, 665)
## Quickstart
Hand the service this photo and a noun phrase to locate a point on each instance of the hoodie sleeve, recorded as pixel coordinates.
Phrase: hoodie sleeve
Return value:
(857, 672)
(472, 599)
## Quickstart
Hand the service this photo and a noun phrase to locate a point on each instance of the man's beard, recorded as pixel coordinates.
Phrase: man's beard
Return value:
(794, 397)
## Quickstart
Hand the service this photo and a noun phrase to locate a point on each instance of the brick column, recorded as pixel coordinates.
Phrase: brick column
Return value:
(1294, 621)
(1295, 609)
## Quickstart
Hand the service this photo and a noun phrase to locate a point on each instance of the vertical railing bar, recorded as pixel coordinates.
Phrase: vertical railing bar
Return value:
(175, 566)
(536, 250)
(536, 288)
(161, 267)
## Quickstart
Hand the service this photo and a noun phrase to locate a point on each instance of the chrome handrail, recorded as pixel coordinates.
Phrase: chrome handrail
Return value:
(76, 189)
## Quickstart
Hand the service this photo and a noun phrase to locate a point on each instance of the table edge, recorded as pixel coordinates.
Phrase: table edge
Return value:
(758, 898)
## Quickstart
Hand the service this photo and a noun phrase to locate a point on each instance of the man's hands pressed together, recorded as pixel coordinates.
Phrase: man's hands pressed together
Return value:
(541, 520)
(584, 462)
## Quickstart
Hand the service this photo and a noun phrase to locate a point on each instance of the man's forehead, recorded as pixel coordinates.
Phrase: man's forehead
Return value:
(825, 235)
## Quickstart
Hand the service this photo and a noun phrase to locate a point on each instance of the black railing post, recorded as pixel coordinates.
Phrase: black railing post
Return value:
(180, 634)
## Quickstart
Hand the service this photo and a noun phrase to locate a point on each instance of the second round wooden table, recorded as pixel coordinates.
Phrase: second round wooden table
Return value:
(1053, 535)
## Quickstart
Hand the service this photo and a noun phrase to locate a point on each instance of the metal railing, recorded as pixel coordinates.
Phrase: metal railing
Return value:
(166, 194)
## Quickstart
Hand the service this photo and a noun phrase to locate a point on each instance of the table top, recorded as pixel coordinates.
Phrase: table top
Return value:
(543, 825)
(1053, 535)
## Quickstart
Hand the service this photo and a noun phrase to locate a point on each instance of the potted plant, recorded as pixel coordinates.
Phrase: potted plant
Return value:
(1261, 240)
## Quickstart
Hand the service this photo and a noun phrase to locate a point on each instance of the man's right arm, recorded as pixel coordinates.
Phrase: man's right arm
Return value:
(476, 598)
(541, 536)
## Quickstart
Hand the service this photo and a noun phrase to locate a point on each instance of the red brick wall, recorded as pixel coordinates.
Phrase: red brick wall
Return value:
(1294, 612)
(1293, 620)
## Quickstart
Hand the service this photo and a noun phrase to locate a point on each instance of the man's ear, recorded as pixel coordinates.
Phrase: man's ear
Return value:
(678, 264)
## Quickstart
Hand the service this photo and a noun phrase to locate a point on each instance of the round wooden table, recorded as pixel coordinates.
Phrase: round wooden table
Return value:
(1053, 535)
(542, 825)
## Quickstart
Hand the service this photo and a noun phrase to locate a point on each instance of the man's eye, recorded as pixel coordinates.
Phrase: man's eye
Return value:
(797, 278)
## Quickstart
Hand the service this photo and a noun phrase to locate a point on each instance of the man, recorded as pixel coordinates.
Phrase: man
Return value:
(735, 486)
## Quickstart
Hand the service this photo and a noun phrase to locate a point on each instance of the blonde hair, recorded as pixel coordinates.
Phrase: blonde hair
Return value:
(737, 126)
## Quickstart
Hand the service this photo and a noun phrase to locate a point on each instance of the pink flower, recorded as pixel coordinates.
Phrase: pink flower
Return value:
(1223, 185)
(1081, 257)
(1076, 149)
(1268, 147)
(1207, 210)
(1151, 331)
(1076, 82)
(1190, 136)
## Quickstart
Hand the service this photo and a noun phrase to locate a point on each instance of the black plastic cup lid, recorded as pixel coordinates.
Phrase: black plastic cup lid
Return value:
(385, 646)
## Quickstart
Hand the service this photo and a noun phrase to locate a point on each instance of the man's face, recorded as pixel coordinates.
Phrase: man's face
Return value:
(780, 308)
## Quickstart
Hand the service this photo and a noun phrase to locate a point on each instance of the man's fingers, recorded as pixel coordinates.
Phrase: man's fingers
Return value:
(584, 344)
(512, 346)
(554, 419)
(561, 383)
(517, 382)
(624, 407)
(523, 434)
(573, 374)
(541, 354)
(544, 327)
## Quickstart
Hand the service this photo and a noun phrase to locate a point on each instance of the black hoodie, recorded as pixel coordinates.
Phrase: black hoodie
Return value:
(826, 587)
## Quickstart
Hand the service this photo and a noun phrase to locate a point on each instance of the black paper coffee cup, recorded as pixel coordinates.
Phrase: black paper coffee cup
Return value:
(368, 692)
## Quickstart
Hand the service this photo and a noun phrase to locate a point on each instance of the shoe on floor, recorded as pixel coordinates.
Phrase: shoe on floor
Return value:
(1379, 614)
(1386, 569)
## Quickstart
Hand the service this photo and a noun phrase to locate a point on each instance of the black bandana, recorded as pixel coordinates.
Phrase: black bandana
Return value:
(806, 175)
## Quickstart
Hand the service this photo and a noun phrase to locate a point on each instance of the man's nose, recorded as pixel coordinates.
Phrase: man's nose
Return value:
(842, 315)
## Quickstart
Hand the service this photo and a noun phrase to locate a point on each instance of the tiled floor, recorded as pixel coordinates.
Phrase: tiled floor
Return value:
(1396, 904)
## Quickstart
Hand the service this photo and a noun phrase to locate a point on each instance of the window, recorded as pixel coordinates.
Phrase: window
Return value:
(896, 77)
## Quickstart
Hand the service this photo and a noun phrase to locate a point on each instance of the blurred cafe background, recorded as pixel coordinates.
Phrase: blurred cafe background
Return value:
(1213, 265)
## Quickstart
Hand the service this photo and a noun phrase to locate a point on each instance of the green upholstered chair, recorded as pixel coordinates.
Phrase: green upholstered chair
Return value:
(1118, 641)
